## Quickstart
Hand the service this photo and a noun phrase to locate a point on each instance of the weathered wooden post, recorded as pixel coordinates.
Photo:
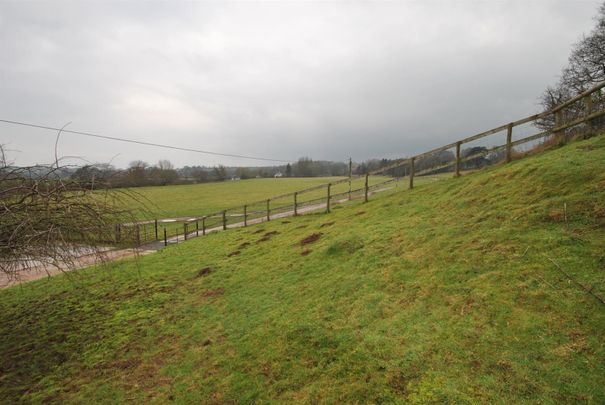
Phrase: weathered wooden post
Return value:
(350, 176)
(224, 220)
(328, 199)
(177, 236)
(118, 233)
(138, 234)
(197, 228)
(509, 143)
(165, 238)
(558, 123)
(245, 215)
(366, 188)
(203, 226)
(185, 230)
(155, 224)
(457, 159)
(295, 203)
(268, 210)
(412, 171)
(589, 107)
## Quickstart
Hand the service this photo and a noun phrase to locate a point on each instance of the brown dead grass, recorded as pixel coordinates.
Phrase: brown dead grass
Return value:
(217, 292)
(203, 272)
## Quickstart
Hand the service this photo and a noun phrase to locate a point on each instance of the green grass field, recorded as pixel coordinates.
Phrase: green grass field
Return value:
(206, 198)
(448, 293)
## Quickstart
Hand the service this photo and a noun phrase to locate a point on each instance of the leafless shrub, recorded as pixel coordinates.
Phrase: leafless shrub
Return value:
(46, 220)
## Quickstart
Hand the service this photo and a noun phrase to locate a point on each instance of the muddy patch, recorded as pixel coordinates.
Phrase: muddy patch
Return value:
(259, 231)
(237, 252)
(203, 272)
(267, 236)
(311, 238)
(214, 293)
(305, 252)
(244, 245)
(285, 222)
(327, 224)
(359, 213)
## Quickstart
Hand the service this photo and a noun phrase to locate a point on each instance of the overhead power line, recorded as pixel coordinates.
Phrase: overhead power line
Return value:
(158, 145)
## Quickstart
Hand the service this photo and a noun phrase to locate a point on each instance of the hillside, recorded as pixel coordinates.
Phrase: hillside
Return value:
(452, 292)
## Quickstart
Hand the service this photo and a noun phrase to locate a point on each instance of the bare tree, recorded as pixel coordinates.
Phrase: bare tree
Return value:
(46, 220)
(585, 68)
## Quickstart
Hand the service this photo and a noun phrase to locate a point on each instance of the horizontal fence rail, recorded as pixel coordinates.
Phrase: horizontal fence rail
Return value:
(587, 109)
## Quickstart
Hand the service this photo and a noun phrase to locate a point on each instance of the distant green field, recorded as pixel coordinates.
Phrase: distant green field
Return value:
(201, 199)
(207, 198)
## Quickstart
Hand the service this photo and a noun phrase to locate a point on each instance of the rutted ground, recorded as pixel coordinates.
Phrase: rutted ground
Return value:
(444, 293)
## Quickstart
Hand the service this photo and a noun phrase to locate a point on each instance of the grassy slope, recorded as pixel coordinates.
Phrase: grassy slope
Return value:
(440, 293)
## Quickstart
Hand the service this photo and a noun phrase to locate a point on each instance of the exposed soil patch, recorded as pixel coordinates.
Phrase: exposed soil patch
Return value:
(301, 227)
(311, 238)
(285, 222)
(203, 272)
(359, 213)
(327, 224)
(243, 245)
(207, 342)
(214, 293)
(305, 252)
(259, 231)
(267, 236)
(555, 215)
(237, 252)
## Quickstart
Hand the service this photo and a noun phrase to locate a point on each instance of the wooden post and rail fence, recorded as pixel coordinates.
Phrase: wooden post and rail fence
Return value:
(586, 109)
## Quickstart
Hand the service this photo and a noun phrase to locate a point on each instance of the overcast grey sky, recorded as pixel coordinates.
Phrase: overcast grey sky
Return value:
(283, 80)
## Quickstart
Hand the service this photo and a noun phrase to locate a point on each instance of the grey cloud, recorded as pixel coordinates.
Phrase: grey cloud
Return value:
(284, 80)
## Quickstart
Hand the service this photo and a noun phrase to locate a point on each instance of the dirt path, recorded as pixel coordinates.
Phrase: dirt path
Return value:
(300, 211)
(81, 262)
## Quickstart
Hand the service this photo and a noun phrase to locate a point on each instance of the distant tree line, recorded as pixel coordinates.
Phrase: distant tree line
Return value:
(140, 173)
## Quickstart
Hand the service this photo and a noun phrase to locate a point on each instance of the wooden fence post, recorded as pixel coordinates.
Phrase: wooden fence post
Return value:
(224, 220)
(328, 199)
(185, 230)
(558, 122)
(295, 203)
(165, 238)
(457, 174)
(118, 233)
(412, 172)
(197, 228)
(203, 226)
(366, 188)
(268, 210)
(138, 234)
(177, 236)
(509, 143)
(156, 228)
(589, 107)
(245, 215)
(350, 176)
